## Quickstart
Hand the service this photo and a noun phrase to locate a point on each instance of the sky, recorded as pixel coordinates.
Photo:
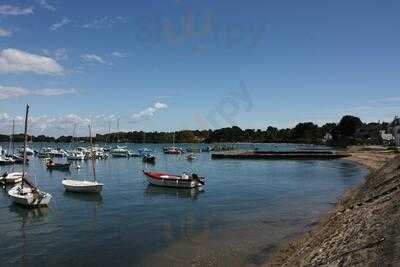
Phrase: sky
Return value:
(187, 64)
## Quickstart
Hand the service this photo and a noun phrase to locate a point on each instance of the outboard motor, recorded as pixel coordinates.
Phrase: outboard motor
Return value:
(196, 178)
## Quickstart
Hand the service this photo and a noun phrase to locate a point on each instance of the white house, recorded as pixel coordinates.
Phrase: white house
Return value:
(396, 130)
(387, 138)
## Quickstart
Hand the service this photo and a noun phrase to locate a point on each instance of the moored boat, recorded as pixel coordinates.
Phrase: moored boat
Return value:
(29, 196)
(181, 181)
(57, 166)
(191, 157)
(84, 186)
(149, 158)
(29, 151)
(6, 160)
(27, 193)
(173, 150)
(11, 178)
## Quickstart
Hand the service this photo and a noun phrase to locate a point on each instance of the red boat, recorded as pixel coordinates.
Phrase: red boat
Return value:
(168, 180)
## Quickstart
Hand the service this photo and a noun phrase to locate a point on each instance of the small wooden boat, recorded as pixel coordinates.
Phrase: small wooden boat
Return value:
(149, 158)
(167, 180)
(57, 166)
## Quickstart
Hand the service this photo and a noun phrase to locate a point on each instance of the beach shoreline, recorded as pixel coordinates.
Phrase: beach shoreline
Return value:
(363, 227)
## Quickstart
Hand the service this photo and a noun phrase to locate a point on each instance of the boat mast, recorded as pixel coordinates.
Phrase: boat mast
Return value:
(73, 136)
(118, 131)
(108, 138)
(93, 154)
(11, 145)
(25, 145)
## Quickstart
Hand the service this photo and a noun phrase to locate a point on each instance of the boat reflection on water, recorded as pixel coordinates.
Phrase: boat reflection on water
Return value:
(28, 217)
(84, 197)
(169, 192)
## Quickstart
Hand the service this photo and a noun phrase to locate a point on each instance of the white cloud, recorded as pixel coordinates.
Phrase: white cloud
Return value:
(5, 32)
(61, 54)
(54, 92)
(59, 25)
(104, 22)
(9, 10)
(159, 105)
(45, 4)
(16, 61)
(57, 125)
(149, 112)
(7, 92)
(119, 54)
(92, 58)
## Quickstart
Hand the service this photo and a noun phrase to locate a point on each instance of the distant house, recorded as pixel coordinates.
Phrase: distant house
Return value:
(327, 138)
(395, 127)
(387, 138)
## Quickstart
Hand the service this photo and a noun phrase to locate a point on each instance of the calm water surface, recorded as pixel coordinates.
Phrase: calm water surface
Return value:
(245, 210)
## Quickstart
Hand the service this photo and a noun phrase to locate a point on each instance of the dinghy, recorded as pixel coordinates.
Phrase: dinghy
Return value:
(27, 193)
(57, 166)
(167, 180)
(85, 186)
(191, 157)
(149, 158)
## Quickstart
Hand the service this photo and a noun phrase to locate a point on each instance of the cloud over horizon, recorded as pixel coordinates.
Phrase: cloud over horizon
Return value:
(17, 61)
(10, 92)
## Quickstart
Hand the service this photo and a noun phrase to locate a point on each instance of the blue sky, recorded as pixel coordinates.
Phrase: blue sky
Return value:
(177, 64)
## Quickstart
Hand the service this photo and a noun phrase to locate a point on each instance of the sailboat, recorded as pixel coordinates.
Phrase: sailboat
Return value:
(85, 186)
(27, 193)
(173, 150)
(74, 154)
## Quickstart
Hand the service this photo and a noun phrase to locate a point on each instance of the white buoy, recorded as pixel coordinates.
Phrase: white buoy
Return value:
(78, 167)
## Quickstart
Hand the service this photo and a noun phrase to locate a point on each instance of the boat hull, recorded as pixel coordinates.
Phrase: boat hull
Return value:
(173, 181)
(29, 199)
(82, 186)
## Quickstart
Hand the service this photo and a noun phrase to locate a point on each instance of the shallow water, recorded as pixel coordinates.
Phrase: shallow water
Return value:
(246, 209)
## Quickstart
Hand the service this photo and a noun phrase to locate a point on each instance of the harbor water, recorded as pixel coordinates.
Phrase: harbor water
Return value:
(245, 210)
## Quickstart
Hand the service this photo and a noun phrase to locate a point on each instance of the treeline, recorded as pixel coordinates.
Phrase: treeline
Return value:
(349, 131)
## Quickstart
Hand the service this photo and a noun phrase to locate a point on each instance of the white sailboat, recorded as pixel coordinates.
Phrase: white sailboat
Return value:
(75, 154)
(85, 186)
(27, 193)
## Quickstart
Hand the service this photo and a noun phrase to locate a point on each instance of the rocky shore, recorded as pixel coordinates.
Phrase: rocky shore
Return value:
(363, 230)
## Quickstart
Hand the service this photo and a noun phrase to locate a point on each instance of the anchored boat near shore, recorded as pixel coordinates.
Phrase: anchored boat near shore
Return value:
(167, 180)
